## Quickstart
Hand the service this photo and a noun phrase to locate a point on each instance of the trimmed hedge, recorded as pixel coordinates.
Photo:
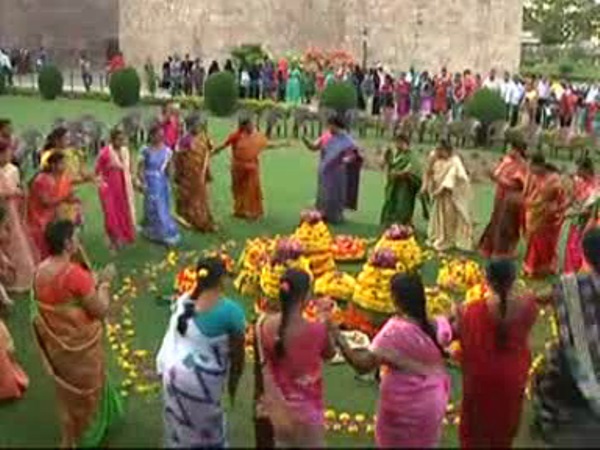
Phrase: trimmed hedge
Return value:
(50, 82)
(221, 93)
(3, 83)
(486, 106)
(125, 87)
(340, 96)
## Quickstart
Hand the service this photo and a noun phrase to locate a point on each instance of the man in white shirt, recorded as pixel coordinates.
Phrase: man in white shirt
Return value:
(515, 95)
(5, 66)
(492, 82)
(543, 91)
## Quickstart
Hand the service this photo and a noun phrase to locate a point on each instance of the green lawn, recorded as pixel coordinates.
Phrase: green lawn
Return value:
(289, 177)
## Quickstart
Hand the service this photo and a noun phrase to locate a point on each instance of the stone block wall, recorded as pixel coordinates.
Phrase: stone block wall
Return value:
(64, 27)
(427, 33)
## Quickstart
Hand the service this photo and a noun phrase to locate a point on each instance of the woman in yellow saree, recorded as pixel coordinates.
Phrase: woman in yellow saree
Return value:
(67, 312)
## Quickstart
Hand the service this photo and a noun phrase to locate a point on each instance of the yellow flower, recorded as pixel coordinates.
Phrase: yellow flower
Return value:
(330, 414)
(344, 417)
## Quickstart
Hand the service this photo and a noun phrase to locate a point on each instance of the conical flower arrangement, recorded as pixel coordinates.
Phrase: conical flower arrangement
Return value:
(317, 242)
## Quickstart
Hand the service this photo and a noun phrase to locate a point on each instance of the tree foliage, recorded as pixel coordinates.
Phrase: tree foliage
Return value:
(558, 22)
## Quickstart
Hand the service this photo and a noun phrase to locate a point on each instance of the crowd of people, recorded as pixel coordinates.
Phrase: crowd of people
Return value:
(203, 349)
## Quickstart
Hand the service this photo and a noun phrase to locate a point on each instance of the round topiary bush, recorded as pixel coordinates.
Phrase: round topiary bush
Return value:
(339, 96)
(50, 82)
(221, 93)
(486, 106)
(125, 87)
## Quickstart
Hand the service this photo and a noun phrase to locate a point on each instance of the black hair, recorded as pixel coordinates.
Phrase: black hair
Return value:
(591, 248)
(586, 164)
(54, 136)
(295, 285)
(501, 275)
(4, 123)
(408, 293)
(337, 121)
(54, 159)
(213, 270)
(445, 144)
(403, 137)
(538, 159)
(115, 132)
(154, 129)
(57, 234)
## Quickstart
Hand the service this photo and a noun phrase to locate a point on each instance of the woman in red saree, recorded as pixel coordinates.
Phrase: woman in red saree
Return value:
(441, 85)
(495, 357)
(501, 236)
(50, 197)
(545, 204)
(585, 184)
(247, 144)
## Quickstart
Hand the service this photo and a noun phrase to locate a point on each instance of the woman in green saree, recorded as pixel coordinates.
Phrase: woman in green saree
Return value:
(403, 184)
(68, 310)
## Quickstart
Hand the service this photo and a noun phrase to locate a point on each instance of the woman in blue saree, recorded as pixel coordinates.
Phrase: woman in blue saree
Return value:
(158, 226)
(339, 171)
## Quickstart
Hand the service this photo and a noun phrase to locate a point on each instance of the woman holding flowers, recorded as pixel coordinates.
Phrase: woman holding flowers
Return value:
(448, 185)
(545, 204)
(201, 353)
(495, 355)
(291, 351)
(115, 172)
(415, 387)
(585, 185)
(192, 176)
(403, 184)
(68, 313)
(153, 176)
(501, 236)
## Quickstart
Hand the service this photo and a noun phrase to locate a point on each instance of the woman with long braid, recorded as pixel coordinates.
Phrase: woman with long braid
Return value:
(415, 386)
(203, 350)
(493, 334)
(292, 351)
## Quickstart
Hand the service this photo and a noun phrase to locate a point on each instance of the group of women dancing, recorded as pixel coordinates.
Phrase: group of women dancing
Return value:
(203, 349)
(532, 201)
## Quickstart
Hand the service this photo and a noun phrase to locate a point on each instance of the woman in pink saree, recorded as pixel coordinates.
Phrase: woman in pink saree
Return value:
(17, 246)
(415, 386)
(114, 169)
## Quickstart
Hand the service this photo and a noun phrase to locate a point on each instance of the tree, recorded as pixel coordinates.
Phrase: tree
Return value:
(558, 22)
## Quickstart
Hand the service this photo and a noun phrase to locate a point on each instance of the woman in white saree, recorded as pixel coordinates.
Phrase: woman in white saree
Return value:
(448, 185)
(201, 351)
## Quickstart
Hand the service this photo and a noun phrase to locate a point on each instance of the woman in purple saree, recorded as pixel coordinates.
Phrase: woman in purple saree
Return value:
(339, 171)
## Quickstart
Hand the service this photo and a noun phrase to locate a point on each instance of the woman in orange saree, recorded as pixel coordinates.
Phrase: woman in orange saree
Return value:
(545, 204)
(51, 197)
(247, 144)
(15, 244)
(13, 380)
(192, 175)
(501, 236)
(67, 313)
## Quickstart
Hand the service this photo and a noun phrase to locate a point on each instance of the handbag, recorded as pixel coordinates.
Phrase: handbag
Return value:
(272, 403)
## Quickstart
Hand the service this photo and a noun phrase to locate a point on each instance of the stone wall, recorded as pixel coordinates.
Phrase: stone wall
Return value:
(64, 27)
(427, 33)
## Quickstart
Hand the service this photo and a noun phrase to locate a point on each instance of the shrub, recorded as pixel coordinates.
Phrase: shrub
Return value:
(248, 54)
(221, 93)
(50, 82)
(125, 87)
(566, 68)
(339, 96)
(486, 106)
(3, 83)
(151, 79)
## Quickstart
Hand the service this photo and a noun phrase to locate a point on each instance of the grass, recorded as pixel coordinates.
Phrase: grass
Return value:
(289, 181)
